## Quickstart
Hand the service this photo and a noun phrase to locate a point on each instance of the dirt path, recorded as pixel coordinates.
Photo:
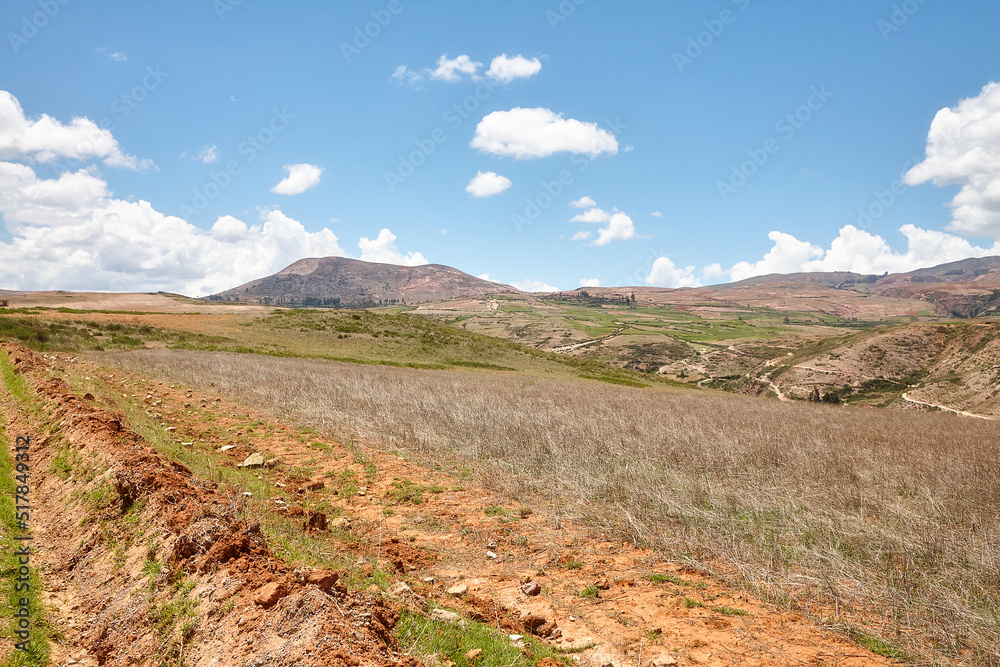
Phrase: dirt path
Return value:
(567, 348)
(603, 601)
(963, 413)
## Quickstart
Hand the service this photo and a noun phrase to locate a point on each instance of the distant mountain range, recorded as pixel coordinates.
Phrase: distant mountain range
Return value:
(331, 281)
(967, 288)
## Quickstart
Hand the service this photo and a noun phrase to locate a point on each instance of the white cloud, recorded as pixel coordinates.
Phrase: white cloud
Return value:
(665, 274)
(531, 285)
(712, 272)
(119, 57)
(583, 202)
(862, 252)
(618, 226)
(452, 69)
(444, 231)
(484, 276)
(487, 184)
(590, 282)
(963, 148)
(46, 139)
(208, 155)
(383, 249)
(656, 214)
(788, 255)
(540, 132)
(595, 215)
(506, 69)
(300, 178)
(69, 233)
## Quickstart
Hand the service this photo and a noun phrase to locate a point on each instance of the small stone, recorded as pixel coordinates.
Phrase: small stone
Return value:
(270, 463)
(247, 494)
(516, 638)
(315, 486)
(170, 428)
(663, 660)
(473, 654)
(255, 460)
(341, 523)
(531, 588)
(226, 448)
(491, 555)
(446, 616)
(429, 580)
(602, 584)
(324, 579)
(399, 588)
(457, 589)
(269, 594)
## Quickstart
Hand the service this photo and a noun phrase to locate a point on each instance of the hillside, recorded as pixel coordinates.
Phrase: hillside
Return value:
(331, 281)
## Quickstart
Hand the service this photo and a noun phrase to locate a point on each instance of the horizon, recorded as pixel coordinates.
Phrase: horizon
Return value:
(706, 144)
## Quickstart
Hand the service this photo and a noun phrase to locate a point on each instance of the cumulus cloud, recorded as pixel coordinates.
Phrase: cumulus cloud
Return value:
(963, 148)
(383, 249)
(532, 285)
(451, 69)
(617, 225)
(787, 255)
(487, 184)
(590, 282)
(484, 276)
(505, 70)
(46, 139)
(539, 132)
(656, 214)
(208, 155)
(300, 178)
(665, 274)
(69, 233)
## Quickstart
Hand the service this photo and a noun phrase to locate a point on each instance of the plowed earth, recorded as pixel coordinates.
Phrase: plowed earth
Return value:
(242, 602)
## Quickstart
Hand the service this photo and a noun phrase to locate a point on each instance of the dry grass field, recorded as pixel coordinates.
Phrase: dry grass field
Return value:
(882, 523)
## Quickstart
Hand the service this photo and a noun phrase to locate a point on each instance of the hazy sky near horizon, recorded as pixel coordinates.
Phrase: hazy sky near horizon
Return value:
(195, 145)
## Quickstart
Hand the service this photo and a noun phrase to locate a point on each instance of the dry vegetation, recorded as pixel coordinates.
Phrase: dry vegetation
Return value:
(883, 522)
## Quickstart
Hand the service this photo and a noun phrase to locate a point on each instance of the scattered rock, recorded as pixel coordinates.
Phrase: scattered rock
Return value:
(315, 486)
(226, 448)
(531, 588)
(516, 638)
(270, 463)
(491, 555)
(663, 660)
(399, 588)
(447, 616)
(247, 494)
(316, 521)
(269, 594)
(457, 589)
(429, 580)
(548, 662)
(255, 460)
(473, 654)
(602, 584)
(324, 579)
(341, 523)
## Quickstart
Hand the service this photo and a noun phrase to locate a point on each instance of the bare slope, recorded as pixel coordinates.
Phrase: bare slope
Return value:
(352, 281)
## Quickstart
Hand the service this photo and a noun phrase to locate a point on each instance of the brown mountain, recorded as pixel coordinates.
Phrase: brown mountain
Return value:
(334, 280)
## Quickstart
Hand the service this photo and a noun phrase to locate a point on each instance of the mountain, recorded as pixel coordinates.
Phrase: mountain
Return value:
(966, 288)
(338, 280)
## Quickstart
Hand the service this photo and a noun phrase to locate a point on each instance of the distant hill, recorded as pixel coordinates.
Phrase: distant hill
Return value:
(333, 281)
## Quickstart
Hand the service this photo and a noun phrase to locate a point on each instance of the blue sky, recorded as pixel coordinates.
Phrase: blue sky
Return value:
(705, 141)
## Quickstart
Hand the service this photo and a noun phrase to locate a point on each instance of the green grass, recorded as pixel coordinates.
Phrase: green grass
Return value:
(877, 645)
(37, 645)
(658, 578)
(422, 636)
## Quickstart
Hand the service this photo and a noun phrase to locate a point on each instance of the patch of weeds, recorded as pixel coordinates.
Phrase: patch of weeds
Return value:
(658, 578)
(731, 611)
(435, 489)
(405, 491)
(877, 645)
(589, 592)
(494, 510)
(573, 565)
(693, 604)
(347, 484)
(451, 642)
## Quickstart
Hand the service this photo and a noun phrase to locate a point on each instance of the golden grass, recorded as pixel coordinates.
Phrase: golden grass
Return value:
(884, 522)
